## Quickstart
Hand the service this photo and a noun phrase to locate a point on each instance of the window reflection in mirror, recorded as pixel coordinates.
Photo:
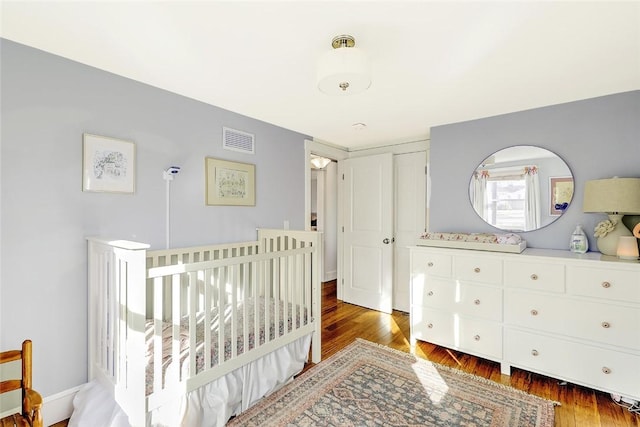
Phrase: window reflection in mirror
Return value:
(521, 188)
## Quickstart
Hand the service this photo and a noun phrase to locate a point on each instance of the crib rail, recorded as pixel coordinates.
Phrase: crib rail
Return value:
(116, 308)
(258, 296)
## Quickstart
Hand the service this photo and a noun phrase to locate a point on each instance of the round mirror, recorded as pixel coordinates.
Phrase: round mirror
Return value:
(521, 188)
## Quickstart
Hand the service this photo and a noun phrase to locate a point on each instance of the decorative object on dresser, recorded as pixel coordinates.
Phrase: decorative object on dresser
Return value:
(369, 384)
(571, 316)
(616, 197)
(578, 242)
(628, 248)
(497, 242)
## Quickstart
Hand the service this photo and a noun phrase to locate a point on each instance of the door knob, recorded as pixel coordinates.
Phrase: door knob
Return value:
(386, 241)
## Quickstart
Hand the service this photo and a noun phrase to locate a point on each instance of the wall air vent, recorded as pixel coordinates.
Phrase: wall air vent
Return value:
(236, 140)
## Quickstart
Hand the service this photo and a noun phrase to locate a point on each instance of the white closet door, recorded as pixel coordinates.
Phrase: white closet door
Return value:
(368, 231)
(410, 218)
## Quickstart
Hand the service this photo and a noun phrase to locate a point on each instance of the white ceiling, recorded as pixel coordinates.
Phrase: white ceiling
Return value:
(433, 62)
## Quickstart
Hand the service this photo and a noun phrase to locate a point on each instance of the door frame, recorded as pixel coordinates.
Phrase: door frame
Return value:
(337, 154)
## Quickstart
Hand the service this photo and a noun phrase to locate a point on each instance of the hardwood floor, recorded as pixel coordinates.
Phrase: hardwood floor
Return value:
(579, 406)
(342, 323)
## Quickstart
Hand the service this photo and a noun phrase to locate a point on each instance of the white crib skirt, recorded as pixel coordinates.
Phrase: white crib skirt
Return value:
(208, 406)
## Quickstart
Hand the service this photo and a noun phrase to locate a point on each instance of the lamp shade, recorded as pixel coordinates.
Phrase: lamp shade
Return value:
(344, 70)
(612, 195)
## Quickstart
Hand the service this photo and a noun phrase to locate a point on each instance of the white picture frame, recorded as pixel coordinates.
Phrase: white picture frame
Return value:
(108, 164)
(229, 183)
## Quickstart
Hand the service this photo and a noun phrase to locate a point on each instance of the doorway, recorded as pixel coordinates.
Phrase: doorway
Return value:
(324, 214)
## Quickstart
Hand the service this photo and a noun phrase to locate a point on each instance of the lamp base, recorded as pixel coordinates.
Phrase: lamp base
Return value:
(608, 245)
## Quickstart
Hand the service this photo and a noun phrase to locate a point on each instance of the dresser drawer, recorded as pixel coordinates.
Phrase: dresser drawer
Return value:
(591, 366)
(447, 329)
(534, 275)
(478, 269)
(479, 337)
(463, 298)
(432, 264)
(603, 323)
(618, 285)
(431, 325)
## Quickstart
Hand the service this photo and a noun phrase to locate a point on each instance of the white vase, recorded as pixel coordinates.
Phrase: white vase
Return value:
(608, 244)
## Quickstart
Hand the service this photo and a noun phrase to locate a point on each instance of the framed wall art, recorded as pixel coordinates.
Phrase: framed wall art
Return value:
(229, 183)
(561, 192)
(108, 164)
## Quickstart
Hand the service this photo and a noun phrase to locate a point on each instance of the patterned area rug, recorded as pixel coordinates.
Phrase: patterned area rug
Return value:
(367, 384)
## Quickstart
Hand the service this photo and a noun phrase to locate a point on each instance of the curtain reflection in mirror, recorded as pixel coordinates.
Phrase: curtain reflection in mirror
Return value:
(478, 193)
(532, 199)
(507, 198)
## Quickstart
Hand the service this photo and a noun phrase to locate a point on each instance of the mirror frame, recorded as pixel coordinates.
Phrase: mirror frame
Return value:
(555, 178)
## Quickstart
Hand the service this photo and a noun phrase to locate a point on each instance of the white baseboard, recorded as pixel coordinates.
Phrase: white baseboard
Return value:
(330, 275)
(59, 406)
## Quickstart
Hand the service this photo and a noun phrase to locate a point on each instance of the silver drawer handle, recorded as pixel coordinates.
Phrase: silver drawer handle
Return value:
(534, 352)
(477, 269)
(430, 293)
(606, 370)
(606, 325)
(477, 337)
(606, 285)
(534, 277)
(430, 326)
(534, 312)
(429, 264)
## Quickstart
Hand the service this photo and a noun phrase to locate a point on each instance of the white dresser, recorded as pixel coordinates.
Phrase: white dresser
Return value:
(564, 315)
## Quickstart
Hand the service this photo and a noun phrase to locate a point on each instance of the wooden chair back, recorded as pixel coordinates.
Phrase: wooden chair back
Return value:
(31, 400)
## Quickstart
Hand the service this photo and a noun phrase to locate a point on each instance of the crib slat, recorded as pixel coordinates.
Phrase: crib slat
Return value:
(234, 274)
(243, 297)
(158, 303)
(193, 344)
(276, 295)
(269, 293)
(176, 326)
(208, 284)
(254, 298)
(297, 301)
(221, 313)
(285, 300)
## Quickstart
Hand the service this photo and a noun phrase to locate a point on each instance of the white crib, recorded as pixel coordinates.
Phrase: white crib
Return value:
(148, 311)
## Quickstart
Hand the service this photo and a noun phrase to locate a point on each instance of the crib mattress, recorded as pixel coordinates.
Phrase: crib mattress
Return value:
(249, 306)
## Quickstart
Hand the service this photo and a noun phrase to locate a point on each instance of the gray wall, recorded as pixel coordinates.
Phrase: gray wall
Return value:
(47, 104)
(597, 138)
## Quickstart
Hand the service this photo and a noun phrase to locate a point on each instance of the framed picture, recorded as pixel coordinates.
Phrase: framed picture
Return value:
(560, 193)
(229, 183)
(108, 164)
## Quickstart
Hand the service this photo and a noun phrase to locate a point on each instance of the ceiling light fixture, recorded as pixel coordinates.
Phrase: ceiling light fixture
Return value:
(320, 162)
(345, 69)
